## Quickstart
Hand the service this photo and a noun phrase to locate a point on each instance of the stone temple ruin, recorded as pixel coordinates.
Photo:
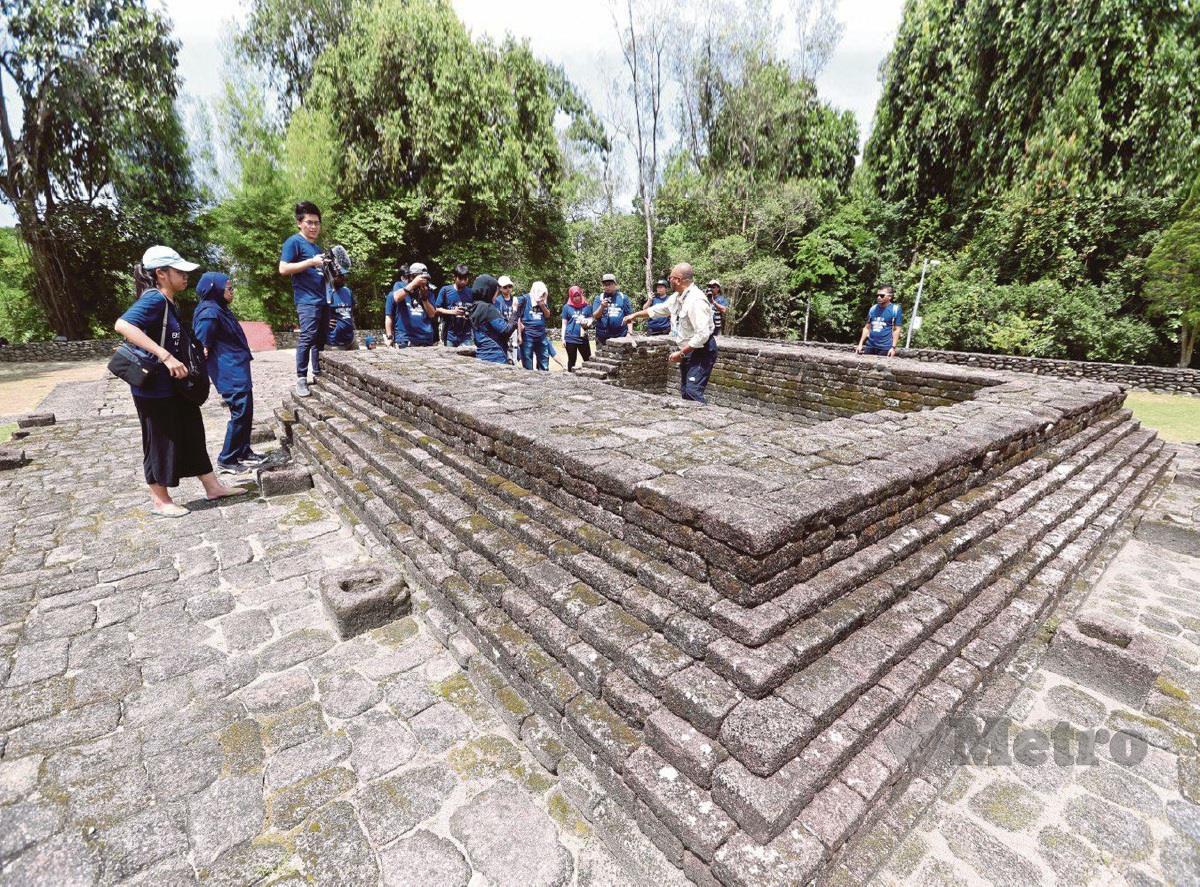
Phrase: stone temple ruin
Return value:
(749, 622)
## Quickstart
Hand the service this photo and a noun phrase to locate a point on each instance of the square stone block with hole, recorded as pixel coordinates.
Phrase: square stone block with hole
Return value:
(1102, 653)
(11, 457)
(284, 479)
(357, 599)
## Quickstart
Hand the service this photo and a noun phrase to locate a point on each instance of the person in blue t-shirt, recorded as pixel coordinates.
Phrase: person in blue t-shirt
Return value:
(229, 358)
(576, 318)
(452, 303)
(719, 305)
(609, 310)
(173, 440)
(341, 314)
(490, 331)
(533, 310)
(658, 326)
(412, 319)
(301, 260)
(881, 333)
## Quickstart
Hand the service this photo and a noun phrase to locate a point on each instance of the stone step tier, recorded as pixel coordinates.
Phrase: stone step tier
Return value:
(734, 733)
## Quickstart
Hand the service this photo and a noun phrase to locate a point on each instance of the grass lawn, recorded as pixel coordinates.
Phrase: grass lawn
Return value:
(1175, 417)
(6, 431)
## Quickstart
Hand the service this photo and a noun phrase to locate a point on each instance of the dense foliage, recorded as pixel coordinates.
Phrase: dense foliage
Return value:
(97, 164)
(1039, 153)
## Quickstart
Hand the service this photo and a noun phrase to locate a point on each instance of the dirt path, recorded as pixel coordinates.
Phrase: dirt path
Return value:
(23, 385)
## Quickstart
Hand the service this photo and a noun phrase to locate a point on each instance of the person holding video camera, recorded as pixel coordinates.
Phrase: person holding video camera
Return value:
(658, 326)
(609, 310)
(302, 260)
(453, 303)
(412, 319)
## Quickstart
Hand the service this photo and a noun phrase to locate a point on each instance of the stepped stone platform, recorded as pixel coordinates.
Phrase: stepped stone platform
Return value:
(747, 624)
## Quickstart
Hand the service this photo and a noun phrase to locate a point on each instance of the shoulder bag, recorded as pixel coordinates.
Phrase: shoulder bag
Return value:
(134, 366)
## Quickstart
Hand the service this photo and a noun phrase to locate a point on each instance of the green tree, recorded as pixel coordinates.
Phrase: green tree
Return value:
(1173, 271)
(94, 87)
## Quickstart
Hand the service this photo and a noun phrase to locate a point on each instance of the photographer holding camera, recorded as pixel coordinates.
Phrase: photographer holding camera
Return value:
(302, 260)
(411, 317)
(453, 302)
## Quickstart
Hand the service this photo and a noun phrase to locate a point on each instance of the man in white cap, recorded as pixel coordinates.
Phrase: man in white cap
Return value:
(692, 317)
(609, 310)
(719, 305)
(506, 304)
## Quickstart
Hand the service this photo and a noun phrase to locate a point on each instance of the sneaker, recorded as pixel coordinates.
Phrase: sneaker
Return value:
(234, 468)
(254, 459)
(302, 387)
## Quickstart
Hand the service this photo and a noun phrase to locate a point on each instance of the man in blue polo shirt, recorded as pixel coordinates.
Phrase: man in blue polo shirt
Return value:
(609, 310)
(658, 326)
(301, 260)
(881, 333)
(452, 303)
(411, 315)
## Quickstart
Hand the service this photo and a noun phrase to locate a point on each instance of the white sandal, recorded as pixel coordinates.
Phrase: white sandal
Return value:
(169, 510)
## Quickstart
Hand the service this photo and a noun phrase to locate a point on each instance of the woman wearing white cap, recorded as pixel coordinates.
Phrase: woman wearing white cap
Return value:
(173, 444)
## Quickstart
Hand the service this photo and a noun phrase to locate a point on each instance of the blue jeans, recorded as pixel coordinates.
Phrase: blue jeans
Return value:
(540, 348)
(314, 330)
(695, 369)
(876, 349)
(237, 433)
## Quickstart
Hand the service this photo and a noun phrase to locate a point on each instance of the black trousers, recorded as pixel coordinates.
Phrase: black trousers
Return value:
(173, 444)
(578, 349)
(695, 369)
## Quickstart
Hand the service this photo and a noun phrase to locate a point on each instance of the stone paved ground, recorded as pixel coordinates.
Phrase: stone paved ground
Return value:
(173, 708)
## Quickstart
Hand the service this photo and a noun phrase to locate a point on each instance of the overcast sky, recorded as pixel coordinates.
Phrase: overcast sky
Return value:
(577, 35)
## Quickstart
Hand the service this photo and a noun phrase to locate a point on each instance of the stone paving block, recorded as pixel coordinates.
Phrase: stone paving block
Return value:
(510, 841)
(794, 857)
(286, 767)
(391, 806)
(334, 849)
(135, 843)
(345, 694)
(424, 858)
(226, 813)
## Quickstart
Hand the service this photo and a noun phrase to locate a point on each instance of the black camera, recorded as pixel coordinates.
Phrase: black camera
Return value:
(337, 264)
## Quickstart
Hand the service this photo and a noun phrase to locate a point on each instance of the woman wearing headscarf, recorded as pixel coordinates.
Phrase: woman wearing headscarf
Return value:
(173, 444)
(576, 319)
(533, 313)
(229, 358)
(488, 327)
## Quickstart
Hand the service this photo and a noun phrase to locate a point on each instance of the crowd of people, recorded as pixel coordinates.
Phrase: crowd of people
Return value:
(484, 311)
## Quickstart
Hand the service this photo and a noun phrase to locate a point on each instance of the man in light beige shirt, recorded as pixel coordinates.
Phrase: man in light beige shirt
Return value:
(691, 318)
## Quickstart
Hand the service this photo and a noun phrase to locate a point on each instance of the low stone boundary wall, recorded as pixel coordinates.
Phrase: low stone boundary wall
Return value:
(36, 352)
(1167, 380)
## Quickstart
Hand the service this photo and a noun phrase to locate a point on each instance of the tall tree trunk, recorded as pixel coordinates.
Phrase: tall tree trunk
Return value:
(52, 289)
(649, 253)
(1187, 343)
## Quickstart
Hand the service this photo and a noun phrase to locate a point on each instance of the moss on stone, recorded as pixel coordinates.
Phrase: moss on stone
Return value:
(1047, 630)
(394, 634)
(1167, 688)
(241, 743)
(485, 757)
(564, 814)
(305, 511)
(459, 691)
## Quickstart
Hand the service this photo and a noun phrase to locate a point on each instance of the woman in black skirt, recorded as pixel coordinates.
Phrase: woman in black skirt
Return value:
(173, 444)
